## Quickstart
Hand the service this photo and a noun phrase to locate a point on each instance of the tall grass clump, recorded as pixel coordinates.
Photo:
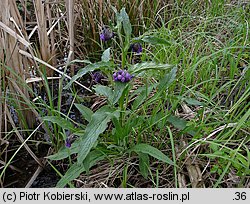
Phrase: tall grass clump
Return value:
(211, 49)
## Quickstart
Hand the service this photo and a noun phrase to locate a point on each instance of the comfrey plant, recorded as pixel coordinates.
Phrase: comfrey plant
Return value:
(119, 120)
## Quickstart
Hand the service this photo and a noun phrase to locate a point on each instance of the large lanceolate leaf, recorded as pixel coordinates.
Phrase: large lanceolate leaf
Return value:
(118, 91)
(85, 111)
(168, 79)
(63, 123)
(97, 125)
(87, 138)
(139, 67)
(104, 91)
(112, 95)
(65, 152)
(155, 40)
(181, 124)
(106, 55)
(88, 68)
(75, 170)
(126, 23)
(143, 164)
(143, 94)
(152, 151)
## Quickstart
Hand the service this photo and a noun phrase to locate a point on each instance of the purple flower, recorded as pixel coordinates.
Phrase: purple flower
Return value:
(136, 47)
(122, 76)
(97, 77)
(106, 34)
(67, 143)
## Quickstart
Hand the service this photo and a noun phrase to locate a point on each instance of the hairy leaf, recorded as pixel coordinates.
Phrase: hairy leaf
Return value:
(152, 151)
(118, 90)
(155, 40)
(180, 124)
(60, 122)
(167, 80)
(75, 170)
(65, 152)
(126, 23)
(106, 55)
(139, 67)
(85, 111)
(104, 91)
(97, 125)
(143, 164)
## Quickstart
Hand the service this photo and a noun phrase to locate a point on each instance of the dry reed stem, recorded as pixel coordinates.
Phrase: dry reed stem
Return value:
(11, 167)
(70, 17)
(13, 32)
(37, 79)
(45, 50)
(33, 178)
(51, 33)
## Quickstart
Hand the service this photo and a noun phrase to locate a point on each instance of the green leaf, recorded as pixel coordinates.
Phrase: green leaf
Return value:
(104, 91)
(155, 40)
(126, 23)
(143, 164)
(142, 96)
(106, 55)
(152, 151)
(112, 95)
(118, 90)
(93, 157)
(75, 170)
(63, 123)
(194, 102)
(65, 152)
(88, 68)
(139, 67)
(180, 124)
(97, 125)
(177, 122)
(167, 80)
(85, 111)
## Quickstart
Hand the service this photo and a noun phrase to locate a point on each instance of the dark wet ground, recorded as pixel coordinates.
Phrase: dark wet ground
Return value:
(25, 167)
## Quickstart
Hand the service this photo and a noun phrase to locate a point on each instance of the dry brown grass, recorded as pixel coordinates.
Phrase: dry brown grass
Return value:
(13, 37)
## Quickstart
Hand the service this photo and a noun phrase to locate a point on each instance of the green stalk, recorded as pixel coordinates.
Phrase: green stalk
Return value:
(173, 153)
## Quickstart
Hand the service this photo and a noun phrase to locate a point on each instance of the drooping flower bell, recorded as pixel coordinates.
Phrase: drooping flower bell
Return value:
(122, 76)
(97, 77)
(106, 34)
(67, 143)
(136, 47)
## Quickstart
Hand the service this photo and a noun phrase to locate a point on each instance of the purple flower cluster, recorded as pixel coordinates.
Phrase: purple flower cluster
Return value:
(136, 47)
(122, 76)
(106, 34)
